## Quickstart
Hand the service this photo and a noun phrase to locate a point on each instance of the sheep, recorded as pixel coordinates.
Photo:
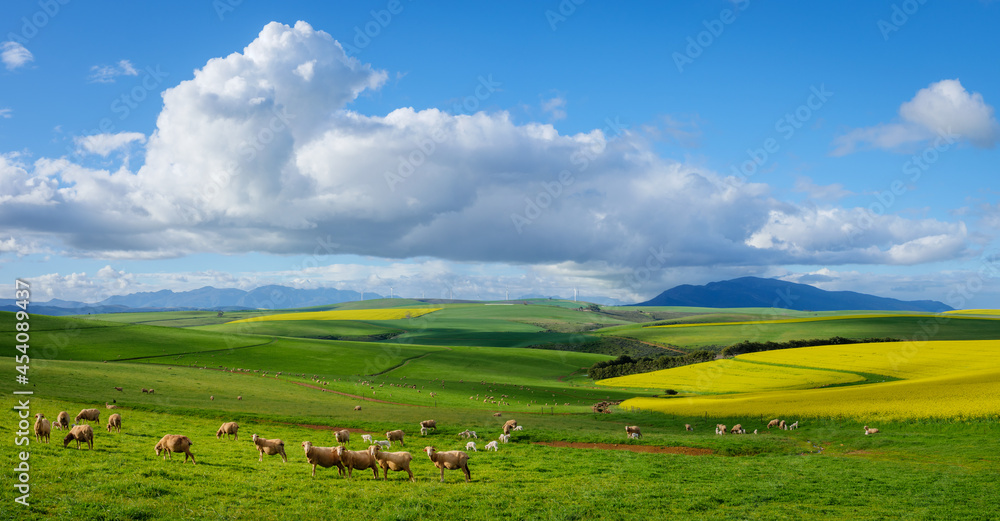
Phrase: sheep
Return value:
(794, 425)
(269, 447)
(357, 407)
(211, 398)
(93, 415)
(343, 436)
(357, 459)
(429, 424)
(367, 438)
(152, 391)
(629, 430)
(42, 428)
(424, 431)
(383, 443)
(228, 428)
(505, 438)
(509, 425)
(870, 431)
(688, 427)
(720, 428)
(396, 461)
(633, 436)
(471, 446)
(492, 445)
(396, 435)
(239, 398)
(782, 425)
(62, 420)
(468, 434)
(518, 428)
(325, 457)
(145, 391)
(80, 433)
(171, 443)
(496, 414)
(773, 423)
(737, 429)
(119, 389)
(110, 406)
(115, 422)
(451, 460)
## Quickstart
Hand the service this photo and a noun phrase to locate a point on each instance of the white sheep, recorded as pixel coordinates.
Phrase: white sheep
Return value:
(870, 431)
(269, 447)
(424, 431)
(93, 415)
(492, 445)
(110, 406)
(42, 428)
(518, 428)
(631, 431)
(395, 461)
(468, 434)
(325, 457)
(505, 438)
(357, 459)
(396, 435)
(471, 446)
(62, 420)
(428, 424)
(228, 428)
(794, 425)
(343, 436)
(367, 438)
(115, 422)
(170, 443)
(80, 433)
(383, 443)
(451, 460)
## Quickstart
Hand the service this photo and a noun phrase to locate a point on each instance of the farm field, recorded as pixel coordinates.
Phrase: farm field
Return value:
(921, 466)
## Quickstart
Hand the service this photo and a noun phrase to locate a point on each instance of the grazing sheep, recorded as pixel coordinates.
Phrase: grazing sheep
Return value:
(62, 420)
(632, 436)
(471, 446)
(492, 445)
(228, 428)
(119, 389)
(343, 436)
(367, 438)
(773, 423)
(395, 461)
(688, 427)
(211, 398)
(110, 406)
(93, 415)
(115, 422)
(171, 443)
(383, 443)
(429, 424)
(80, 433)
(145, 391)
(357, 407)
(396, 435)
(357, 459)
(870, 431)
(509, 425)
(239, 398)
(42, 428)
(630, 430)
(519, 428)
(738, 429)
(794, 425)
(269, 447)
(755, 431)
(505, 438)
(424, 431)
(782, 425)
(468, 434)
(325, 457)
(720, 428)
(451, 460)
(496, 414)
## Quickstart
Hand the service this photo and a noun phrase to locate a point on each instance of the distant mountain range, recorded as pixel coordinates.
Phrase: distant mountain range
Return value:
(749, 292)
(209, 298)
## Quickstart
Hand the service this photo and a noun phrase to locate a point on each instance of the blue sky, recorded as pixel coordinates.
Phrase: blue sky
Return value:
(475, 148)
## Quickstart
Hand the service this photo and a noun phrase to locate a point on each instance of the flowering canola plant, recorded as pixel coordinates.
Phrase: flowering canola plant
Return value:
(345, 314)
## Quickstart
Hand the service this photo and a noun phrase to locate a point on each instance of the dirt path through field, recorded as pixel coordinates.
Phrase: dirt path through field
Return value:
(689, 451)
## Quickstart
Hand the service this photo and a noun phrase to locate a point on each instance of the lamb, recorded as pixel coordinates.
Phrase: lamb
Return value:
(519, 428)
(171, 443)
(720, 428)
(468, 434)
(492, 445)
(228, 428)
(42, 428)
(773, 423)
(429, 424)
(93, 415)
(794, 425)
(80, 433)
(110, 406)
(509, 425)
(396, 461)
(424, 431)
(325, 457)
(870, 431)
(367, 438)
(633, 436)
(62, 420)
(505, 438)
(629, 431)
(383, 443)
(269, 447)
(451, 460)
(357, 459)
(115, 422)
(396, 435)
(471, 446)
(343, 436)
(119, 389)
(688, 427)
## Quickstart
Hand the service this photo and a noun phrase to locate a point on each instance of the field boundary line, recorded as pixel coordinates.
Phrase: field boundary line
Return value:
(271, 341)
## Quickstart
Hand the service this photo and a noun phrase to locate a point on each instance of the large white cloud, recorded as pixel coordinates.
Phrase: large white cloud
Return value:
(944, 108)
(260, 151)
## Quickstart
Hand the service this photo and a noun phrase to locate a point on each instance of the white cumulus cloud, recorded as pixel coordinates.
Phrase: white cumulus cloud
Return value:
(104, 144)
(14, 55)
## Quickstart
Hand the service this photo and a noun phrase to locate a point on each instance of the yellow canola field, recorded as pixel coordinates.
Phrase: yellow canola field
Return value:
(346, 314)
(974, 312)
(732, 376)
(905, 360)
(961, 397)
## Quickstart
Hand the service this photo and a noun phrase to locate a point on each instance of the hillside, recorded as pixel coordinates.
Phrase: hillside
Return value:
(747, 292)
